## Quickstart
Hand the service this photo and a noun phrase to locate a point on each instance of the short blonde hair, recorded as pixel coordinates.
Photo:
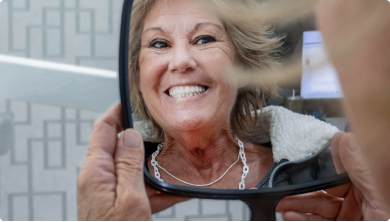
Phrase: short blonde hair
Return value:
(255, 48)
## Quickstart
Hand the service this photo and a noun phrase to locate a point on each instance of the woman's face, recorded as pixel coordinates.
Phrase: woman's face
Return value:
(184, 53)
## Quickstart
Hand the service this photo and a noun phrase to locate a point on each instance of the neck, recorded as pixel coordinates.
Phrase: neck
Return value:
(204, 156)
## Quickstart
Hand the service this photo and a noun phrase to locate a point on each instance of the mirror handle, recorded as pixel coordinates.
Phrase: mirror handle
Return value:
(263, 209)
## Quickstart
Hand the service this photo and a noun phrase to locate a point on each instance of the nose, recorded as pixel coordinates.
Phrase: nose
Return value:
(182, 61)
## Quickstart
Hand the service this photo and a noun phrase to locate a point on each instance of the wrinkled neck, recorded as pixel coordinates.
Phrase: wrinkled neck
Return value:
(200, 151)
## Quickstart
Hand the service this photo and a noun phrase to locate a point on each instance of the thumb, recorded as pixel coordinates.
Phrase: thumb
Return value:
(354, 162)
(129, 162)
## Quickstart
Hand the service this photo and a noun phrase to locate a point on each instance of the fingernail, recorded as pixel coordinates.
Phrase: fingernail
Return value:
(353, 145)
(131, 139)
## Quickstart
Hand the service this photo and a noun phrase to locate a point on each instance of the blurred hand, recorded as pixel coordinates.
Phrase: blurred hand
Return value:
(354, 201)
(110, 185)
(356, 35)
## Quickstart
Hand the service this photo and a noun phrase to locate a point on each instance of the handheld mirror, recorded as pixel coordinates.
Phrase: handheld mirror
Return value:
(245, 107)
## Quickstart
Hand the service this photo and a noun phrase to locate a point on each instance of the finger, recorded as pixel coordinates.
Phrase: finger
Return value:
(340, 191)
(150, 191)
(98, 168)
(338, 141)
(335, 144)
(160, 202)
(351, 208)
(354, 162)
(129, 161)
(296, 216)
(318, 203)
(105, 131)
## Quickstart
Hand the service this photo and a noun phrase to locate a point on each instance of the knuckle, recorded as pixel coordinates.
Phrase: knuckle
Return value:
(102, 125)
(81, 183)
(130, 160)
(129, 166)
(98, 124)
(82, 178)
(348, 137)
(95, 171)
(131, 199)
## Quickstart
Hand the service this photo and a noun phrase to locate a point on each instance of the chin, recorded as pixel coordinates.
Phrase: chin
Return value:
(189, 123)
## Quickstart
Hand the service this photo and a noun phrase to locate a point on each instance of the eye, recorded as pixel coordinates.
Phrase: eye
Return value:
(159, 44)
(205, 40)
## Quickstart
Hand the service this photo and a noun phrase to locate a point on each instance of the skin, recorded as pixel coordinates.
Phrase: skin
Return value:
(110, 184)
(197, 129)
(106, 183)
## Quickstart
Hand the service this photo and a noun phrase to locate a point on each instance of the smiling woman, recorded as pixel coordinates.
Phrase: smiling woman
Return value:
(177, 72)
(179, 54)
(239, 44)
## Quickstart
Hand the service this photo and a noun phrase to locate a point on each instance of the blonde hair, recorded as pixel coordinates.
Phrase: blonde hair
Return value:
(255, 48)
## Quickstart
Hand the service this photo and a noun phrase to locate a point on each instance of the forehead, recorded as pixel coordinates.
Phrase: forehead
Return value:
(165, 13)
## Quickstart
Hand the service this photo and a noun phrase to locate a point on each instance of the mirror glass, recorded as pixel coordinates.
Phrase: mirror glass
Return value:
(231, 97)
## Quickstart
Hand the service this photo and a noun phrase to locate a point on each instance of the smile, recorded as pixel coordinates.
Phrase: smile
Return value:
(186, 91)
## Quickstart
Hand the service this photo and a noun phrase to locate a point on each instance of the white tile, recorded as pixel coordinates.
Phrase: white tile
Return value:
(20, 208)
(54, 155)
(54, 130)
(48, 207)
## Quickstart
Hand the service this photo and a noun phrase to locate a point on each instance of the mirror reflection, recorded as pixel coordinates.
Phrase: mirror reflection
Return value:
(206, 210)
(210, 111)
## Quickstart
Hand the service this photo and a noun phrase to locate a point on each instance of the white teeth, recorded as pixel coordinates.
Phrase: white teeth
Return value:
(184, 91)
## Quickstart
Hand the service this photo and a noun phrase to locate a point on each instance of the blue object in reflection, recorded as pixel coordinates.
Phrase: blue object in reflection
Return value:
(319, 114)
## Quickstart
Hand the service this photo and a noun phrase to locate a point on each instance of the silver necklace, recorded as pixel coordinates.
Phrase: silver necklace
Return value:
(241, 185)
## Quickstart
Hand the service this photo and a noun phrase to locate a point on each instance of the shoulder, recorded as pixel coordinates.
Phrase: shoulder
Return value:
(293, 136)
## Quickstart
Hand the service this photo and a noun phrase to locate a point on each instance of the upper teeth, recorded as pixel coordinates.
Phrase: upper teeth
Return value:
(184, 91)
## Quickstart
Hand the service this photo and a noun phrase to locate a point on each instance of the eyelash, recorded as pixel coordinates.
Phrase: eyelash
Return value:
(158, 41)
(208, 37)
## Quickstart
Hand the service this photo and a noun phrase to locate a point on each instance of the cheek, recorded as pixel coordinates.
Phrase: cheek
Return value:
(152, 67)
(217, 62)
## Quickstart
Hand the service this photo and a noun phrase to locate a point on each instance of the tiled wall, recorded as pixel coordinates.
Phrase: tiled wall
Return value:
(81, 32)
(38, 174)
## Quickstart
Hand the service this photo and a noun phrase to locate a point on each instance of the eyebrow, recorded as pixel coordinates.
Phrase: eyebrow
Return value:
(197, 26)
(153, 29)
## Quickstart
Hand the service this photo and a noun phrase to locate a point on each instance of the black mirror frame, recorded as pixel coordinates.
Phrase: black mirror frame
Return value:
(262, 202)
